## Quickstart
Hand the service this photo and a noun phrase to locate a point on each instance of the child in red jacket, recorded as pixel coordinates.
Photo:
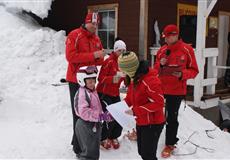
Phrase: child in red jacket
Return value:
(109, 81)
(146, 99)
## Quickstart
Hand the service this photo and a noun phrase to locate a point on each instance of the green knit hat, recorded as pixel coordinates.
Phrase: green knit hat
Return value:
(128, 63)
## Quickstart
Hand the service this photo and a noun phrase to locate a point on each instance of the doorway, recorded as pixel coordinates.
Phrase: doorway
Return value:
(224, 29)
(188, 27)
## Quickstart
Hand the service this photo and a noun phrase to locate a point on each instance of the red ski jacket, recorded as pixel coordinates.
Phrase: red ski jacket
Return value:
(146, 99)
(180, 58)
(80, 48)
(105, 79)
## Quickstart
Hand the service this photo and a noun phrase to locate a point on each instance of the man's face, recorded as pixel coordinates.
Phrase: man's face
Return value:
(171, 39)
(91, 27)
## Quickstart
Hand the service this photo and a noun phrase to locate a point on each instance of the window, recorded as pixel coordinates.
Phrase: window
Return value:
(107, 29)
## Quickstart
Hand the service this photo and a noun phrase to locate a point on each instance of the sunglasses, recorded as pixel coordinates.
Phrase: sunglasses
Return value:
(89, 70)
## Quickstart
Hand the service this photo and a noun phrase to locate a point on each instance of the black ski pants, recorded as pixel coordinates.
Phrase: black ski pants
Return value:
(147, 140)
(110, 130)
(171, 110)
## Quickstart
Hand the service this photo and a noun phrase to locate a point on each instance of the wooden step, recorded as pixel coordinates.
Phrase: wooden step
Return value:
(223, 90)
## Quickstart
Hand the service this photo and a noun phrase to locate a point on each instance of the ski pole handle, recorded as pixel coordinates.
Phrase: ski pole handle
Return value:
(63, 80)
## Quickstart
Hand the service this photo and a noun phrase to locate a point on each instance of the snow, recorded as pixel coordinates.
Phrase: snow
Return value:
(35, 117)
(38, 7)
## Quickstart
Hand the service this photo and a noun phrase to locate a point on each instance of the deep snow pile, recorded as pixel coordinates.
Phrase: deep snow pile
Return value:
(33, 112)
(35, 117)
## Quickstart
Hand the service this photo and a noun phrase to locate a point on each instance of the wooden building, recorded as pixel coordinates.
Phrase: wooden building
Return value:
(133, 21)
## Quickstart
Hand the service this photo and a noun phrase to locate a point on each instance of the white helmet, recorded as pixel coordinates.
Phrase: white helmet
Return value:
(119, 45)
(86, 72)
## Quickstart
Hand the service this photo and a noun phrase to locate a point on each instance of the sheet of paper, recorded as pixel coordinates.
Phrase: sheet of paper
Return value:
(117, 110)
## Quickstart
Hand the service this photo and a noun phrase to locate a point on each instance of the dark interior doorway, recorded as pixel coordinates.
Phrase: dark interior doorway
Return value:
(188, 27)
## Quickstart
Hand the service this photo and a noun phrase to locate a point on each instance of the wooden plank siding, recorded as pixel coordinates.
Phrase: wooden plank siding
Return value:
(67, 15)
(128, 20)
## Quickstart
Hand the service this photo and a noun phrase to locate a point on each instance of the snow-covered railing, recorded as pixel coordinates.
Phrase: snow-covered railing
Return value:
(210, 82)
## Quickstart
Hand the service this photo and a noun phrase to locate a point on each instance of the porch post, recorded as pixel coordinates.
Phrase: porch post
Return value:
(204, 8)
(143, 29)
(200, 45)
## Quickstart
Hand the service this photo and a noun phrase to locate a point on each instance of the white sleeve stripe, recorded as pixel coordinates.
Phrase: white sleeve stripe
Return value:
(152, 90)
(148, 86)
(161, 96)
(76, 40)
(150, 99)
(189, 56)
(146, 109)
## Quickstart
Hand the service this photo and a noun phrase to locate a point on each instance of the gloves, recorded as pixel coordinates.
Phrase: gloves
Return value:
(106, 116)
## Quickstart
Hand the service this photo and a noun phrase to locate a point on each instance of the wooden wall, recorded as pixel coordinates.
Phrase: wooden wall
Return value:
(67, 15)
(166, 13)
(128, 20)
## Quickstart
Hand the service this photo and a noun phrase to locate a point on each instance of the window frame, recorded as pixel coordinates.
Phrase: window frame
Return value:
(106, 7)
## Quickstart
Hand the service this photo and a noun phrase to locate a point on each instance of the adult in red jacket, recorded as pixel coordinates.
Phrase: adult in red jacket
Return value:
(83, 48)
(109, 81)
(176, 63)
(145, 97)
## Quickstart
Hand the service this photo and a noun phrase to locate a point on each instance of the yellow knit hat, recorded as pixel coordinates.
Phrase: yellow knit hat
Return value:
(128, 63)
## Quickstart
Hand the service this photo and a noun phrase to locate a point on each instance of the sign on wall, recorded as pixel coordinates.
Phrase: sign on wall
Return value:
(185, 9)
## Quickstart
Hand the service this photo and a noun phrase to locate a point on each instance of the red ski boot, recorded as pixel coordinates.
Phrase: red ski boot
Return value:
(115, 143)
(167, 151)
(106, 144)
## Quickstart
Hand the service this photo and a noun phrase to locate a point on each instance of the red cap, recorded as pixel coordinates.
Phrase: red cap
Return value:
(170, 30)
(92, 17)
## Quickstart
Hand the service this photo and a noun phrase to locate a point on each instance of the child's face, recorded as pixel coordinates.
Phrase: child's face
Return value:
(90, 83)
(120, 51)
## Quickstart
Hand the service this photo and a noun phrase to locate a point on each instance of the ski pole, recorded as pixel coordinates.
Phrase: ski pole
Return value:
(63, 82)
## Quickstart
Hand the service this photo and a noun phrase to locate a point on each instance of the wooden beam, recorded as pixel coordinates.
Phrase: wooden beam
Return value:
(223, 67)
(209, 82)
(200, 45)
(212, 73)
(191, 82)
(143, 29)
(210, 7)
(211, 52)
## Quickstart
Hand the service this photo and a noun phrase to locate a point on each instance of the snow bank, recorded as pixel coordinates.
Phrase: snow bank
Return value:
(32, 58)
(38, 7)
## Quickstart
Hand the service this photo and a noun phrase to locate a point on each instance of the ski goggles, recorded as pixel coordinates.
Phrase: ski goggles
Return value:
(89, 70)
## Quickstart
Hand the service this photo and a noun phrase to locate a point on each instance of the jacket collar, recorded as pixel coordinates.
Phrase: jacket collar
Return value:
(114, 55)
(175, 46)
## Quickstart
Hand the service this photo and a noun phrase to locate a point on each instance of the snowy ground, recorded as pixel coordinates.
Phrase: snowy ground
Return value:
(35, 117)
